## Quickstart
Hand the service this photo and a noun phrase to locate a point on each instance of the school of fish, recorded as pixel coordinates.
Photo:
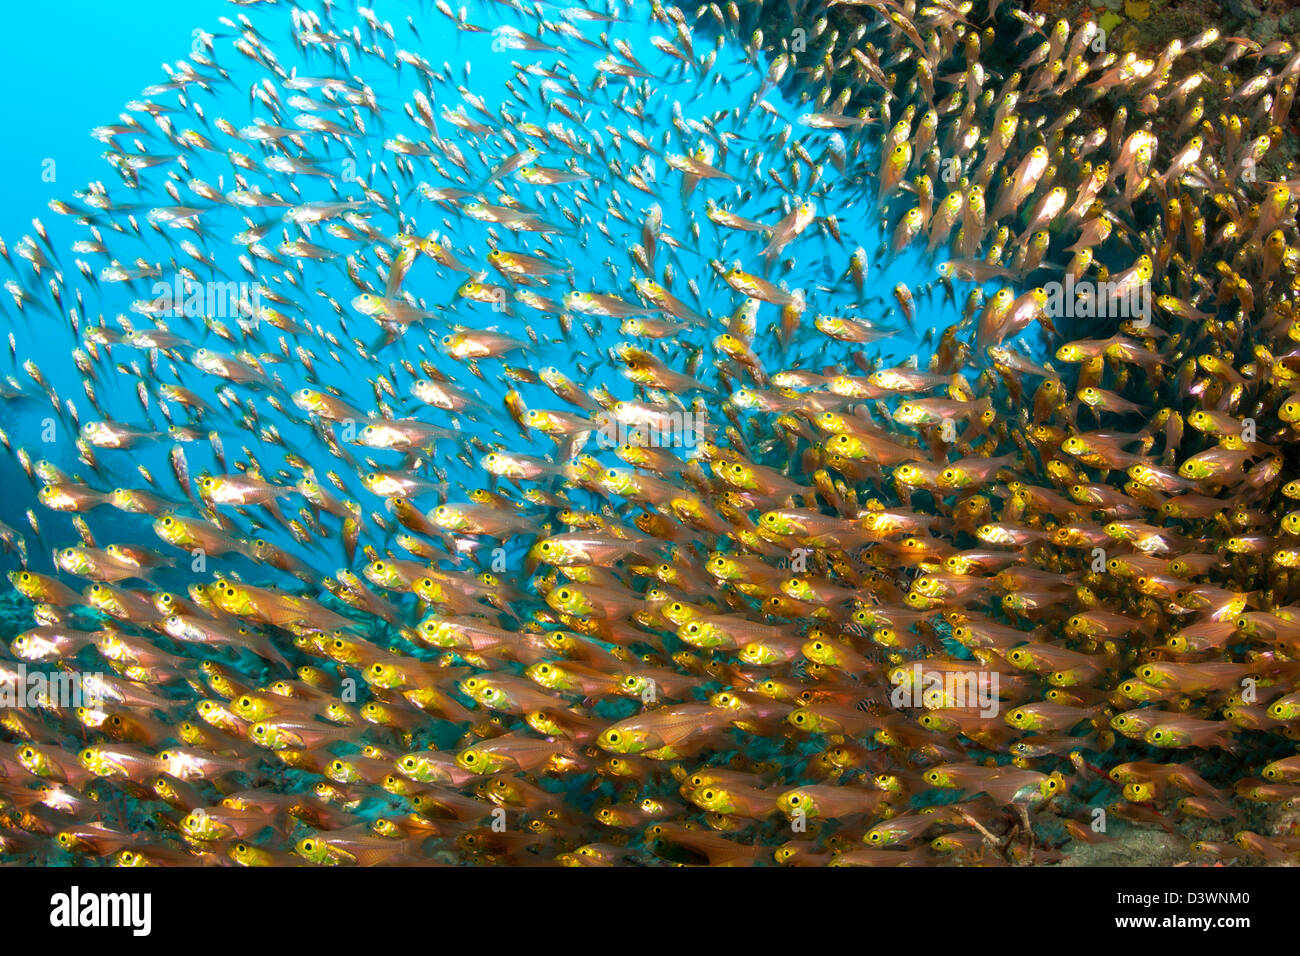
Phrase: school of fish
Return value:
(557, 498)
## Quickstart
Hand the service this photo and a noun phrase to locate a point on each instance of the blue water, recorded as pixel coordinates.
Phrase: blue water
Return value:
(72, 69)
(118, 53)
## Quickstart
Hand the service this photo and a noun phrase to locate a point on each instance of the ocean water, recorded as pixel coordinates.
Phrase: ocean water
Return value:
(100, 65)
(678, 112)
